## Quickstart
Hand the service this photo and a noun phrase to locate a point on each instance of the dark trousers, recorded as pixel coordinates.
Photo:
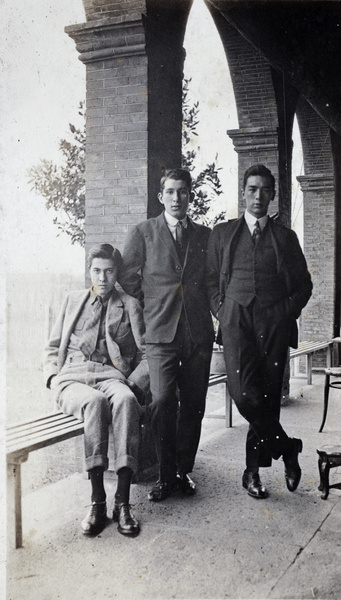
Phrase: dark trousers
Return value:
(255, 341)
(179, 374)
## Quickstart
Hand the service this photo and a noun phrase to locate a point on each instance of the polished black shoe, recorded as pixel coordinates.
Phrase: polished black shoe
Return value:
(292, 469)
(96, 518)
(253, 485)
(162, 490)
(186, 484)
(127, 522)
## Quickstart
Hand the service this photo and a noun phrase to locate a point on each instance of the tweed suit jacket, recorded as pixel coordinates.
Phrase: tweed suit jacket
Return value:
(152, 272)
(124, 336)
(291, 266)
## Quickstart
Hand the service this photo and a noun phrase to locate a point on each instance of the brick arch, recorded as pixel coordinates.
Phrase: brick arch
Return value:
(108, 9)
(316, 142)
(265, 107)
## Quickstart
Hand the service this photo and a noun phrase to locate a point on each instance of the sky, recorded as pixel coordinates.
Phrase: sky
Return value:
(42, 84)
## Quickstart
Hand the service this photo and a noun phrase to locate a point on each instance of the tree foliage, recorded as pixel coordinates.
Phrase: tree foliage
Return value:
(63, 185)
(206, 183)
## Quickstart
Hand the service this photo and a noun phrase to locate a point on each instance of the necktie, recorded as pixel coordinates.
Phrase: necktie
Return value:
(256, 233)
(89, 337)
(179, 234)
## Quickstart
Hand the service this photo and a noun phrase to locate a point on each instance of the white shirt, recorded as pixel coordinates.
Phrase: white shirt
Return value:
(251, 221)
(171, 223)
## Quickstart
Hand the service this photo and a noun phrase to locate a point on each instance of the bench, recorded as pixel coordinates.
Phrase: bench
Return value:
(22, 439)
(26, 437)
(308, 349)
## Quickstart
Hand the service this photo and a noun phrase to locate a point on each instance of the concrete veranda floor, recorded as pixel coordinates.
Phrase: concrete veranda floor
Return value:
(217, 544)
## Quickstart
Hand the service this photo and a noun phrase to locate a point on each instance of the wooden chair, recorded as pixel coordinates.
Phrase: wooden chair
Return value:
(329, 372)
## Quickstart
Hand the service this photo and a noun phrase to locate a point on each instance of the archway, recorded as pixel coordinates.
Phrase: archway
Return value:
(210, 84)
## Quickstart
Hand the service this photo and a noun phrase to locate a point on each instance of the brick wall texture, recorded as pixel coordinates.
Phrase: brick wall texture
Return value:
(117, 119)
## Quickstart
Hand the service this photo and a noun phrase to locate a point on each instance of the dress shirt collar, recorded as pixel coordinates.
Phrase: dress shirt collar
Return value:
(251, 221)
(171, 221)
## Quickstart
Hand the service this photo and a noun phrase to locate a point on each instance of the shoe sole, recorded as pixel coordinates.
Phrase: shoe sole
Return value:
(255, 495)
(128, 533)
(264, 497)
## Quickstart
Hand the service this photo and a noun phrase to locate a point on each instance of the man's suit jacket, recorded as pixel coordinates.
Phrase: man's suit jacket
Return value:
(152, 272)
(124, 336)
(291, 266)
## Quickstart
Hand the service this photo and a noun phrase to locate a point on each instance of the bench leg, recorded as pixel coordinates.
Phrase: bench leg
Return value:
(309, 368)
(228, 407)
(14, 509)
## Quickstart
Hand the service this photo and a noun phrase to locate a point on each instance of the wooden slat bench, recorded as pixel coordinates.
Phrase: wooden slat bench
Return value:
(23, 438)
(308, 349)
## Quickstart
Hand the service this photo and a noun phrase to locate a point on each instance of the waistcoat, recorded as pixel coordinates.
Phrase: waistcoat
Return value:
(254, 271)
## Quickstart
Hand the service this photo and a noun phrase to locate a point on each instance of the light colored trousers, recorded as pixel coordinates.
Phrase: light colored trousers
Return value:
(91, 392)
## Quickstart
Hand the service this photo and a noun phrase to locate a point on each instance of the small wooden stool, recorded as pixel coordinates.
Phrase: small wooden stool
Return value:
(329, 457)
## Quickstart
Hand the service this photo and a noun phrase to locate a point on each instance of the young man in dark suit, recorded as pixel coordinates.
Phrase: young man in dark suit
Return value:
(164, 267)
(258, 283)
(95, 364)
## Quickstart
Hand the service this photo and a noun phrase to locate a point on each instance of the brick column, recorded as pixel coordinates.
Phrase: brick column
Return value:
(255, 145)
(134, 69)
(116, 126)
(319, 249)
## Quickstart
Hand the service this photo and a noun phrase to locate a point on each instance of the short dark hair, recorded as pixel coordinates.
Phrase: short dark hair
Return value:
(177, 174)
(262, 171)
(105, 251)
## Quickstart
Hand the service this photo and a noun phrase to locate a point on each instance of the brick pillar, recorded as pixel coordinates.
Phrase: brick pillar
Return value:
(319, 249)
(116, 126)
(134, 68)
(255, 145)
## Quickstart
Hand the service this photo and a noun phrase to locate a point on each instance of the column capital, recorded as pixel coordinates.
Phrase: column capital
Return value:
(255, 138)
(108, 38)
(319, 182)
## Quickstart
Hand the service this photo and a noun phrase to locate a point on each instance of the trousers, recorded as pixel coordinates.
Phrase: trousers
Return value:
(255, 341)
(90, 392)
(179, 374)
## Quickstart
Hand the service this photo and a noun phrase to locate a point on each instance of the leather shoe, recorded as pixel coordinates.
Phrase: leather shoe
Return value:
(186, 484)
(95, 520)
(253, 485)
(127, 522)
(162, 490)
(292, 469)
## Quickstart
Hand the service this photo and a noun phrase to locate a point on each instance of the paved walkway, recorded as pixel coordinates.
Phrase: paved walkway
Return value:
(217, 544)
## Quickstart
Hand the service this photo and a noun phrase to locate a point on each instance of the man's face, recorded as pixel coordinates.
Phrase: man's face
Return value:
(103, 275)
(175, 197)
(258, 194)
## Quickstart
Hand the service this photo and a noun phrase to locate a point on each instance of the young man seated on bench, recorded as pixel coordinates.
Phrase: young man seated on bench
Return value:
(94, 362)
